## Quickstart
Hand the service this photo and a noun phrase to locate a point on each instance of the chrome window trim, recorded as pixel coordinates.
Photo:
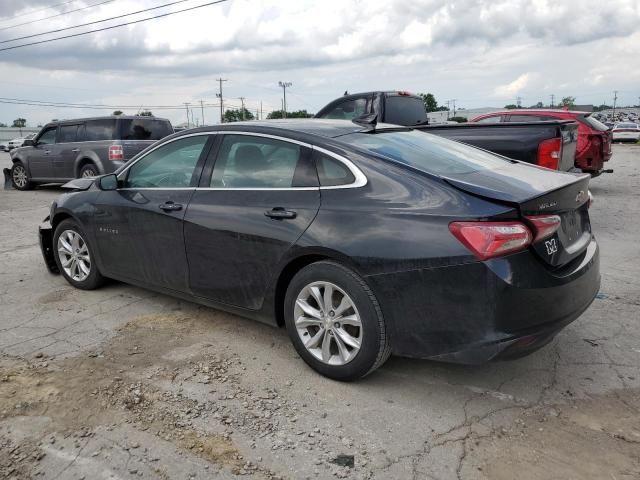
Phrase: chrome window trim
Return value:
(360, 178)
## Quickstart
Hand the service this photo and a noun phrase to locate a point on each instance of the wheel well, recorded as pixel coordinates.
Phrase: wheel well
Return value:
(285, 278)
(59, 217)
(82, 163)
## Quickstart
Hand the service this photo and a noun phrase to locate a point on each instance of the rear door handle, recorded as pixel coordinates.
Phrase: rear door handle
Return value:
(170, 206)
(280, 213)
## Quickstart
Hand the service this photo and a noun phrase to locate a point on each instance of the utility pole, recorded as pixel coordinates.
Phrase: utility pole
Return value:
(202, 110)
(553, 97)
(186, 104)
(448, 109)
(242, 111)
(219, 95)
(519, 102)
(284, 86)
(454, 106)
(261, 115)
(615, 98)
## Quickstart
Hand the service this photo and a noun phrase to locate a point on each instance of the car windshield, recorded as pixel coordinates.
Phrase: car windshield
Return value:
(595, 123)
(426, 152)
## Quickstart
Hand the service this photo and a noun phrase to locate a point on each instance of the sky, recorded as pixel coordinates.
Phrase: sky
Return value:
(479, 52)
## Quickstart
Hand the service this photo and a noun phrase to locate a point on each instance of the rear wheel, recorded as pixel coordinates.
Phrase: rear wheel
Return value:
(335, 322)
(88, 170)
(74, 256)
(20, 177)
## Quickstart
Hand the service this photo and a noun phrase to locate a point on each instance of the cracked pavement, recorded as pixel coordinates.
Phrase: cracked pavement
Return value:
(125, 383)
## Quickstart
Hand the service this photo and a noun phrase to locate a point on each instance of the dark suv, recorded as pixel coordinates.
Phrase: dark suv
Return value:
(68, 149)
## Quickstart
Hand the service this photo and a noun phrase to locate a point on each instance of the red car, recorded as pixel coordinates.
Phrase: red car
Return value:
(594, 137)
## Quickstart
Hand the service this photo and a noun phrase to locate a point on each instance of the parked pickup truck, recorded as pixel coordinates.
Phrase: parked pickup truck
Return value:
(550, 144)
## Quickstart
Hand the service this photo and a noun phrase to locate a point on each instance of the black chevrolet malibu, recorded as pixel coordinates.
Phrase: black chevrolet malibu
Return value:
(364, 241)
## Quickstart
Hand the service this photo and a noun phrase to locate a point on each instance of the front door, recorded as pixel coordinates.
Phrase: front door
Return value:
(138, 227)
(262, 195)
(40, 157)
(64, 162)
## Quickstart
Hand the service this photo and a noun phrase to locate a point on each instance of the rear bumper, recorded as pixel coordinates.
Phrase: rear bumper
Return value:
(45, 235)
(480, 311)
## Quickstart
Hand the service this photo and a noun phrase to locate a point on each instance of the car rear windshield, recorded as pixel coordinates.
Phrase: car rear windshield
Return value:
(405, 110)
(144, 129)
(595, 123)
(626, 125)
(426, 152)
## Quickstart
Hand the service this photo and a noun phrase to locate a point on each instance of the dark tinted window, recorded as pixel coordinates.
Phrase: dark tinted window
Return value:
(426, 152)
(404, 110)
(99, 130)
(67, 133)
(332, 172)
(494, 119)
(48, 137)
(144, 129)
(255, 162)
(169, 166)
(348, 110)
(529, 118)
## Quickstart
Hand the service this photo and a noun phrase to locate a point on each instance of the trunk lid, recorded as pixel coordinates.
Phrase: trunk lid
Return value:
(538, 191)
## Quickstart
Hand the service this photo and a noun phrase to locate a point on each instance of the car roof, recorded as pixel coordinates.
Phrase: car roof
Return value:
(307, 126)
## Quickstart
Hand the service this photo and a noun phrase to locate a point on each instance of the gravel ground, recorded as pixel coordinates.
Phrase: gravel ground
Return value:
(124, 383)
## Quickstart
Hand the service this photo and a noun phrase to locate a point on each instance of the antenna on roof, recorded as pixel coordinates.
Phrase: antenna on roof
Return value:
(368, 120)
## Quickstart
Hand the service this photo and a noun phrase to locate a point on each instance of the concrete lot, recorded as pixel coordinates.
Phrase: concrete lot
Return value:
(124, 383)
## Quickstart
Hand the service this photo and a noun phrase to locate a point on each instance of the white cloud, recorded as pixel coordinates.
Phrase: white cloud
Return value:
(513, 88)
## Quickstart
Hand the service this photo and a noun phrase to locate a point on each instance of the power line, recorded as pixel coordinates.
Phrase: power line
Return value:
(113, 26)
(94, 22)
(57, 15)
(29, 12)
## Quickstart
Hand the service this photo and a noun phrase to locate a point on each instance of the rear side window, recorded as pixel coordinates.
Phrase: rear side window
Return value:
(529, 118)
(494, 119)
(67, 133)
(332, 172)
(404, 110)
(96, 130)
(348, 110)
(144, 129)
(426, 152)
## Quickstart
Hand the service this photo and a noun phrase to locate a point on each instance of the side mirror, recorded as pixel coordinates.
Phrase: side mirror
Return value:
(28, 143)
(108, 182)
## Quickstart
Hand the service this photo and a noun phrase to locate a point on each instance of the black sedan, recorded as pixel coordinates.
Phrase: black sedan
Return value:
(364, 241)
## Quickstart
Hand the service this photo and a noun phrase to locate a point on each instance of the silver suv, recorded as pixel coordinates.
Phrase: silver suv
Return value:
(64, 150)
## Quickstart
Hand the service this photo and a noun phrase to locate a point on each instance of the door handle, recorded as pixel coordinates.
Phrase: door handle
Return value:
(280, 213)
(170, 206)
(47, 152)
(75, 150)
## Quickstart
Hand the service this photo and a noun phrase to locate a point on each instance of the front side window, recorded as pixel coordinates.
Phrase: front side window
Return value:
(169, 166)
(332, 172)
(348, 110)
(48, 137)
(246, 161)
(67, 133)
(96, 130)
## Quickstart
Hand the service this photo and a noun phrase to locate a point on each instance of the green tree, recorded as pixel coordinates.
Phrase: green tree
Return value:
(569, 102)
(537, 105)
(3, 125)
(459, 119)
(430, 102)
(236, 115)
(117, 112)
(511, 106)
(146, 113)
(297, 114)
(19, 123)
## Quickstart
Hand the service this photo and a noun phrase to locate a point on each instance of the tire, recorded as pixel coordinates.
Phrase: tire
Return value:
(89, 170)
(324, 322)
(20, 177)
(76, 273)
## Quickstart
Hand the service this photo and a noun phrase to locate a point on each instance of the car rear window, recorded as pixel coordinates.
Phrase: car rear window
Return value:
(595, 123)
(144, 129)
(626, 125)
(426, 152)
(96, 130)
(404, 110)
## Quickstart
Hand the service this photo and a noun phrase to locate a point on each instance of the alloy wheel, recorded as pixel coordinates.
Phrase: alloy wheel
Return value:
(328, 323)
(88, 172)
(20, 177)
(74, 255)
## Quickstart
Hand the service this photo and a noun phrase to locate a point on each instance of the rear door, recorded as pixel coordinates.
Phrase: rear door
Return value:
(138, 227)
(246, 215)
(40, 157)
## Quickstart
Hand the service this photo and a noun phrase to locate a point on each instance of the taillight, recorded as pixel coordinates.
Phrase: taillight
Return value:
(549, 153)
(404, 93)
(492, 239)
(116, 152)
(545, 225)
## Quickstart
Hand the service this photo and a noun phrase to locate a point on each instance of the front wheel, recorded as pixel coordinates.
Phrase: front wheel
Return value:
(74, 256)
(20, 177)
(334, 322)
